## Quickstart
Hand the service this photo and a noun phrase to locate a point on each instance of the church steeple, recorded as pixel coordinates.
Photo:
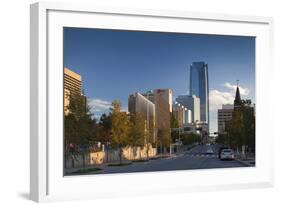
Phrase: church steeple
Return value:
(237, 101)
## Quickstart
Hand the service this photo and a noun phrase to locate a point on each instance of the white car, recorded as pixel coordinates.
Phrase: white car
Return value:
(227, 154)
(209, 151)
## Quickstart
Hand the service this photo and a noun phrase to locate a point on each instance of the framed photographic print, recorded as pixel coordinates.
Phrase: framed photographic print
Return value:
(154, 101)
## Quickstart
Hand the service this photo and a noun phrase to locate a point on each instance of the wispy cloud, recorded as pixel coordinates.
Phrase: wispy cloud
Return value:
(243, 91)
(217, 98)
(98, 105)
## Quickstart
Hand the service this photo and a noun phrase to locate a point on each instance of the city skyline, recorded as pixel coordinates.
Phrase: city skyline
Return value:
(124, 62)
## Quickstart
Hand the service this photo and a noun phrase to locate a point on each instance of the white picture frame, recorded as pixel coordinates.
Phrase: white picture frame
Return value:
(47, 182)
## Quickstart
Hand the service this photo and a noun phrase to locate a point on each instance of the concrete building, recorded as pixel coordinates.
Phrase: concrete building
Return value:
(200, 128)
(193, 104)
(166, 94)
(224, 116)
(162, 99)
(182, 113)
(179, 112)
(72, 84)
(140, 104)
(162, 108)
(188, 116)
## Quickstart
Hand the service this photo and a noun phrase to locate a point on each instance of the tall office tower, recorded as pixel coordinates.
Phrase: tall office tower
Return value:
(224, 116)
(140, 104)
(199, 86)
(191, 103)
(71, 85)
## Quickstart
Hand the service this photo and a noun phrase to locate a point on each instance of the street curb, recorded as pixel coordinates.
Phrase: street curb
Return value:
(244, 163)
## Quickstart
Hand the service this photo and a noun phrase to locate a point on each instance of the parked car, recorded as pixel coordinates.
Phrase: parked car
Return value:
(227, 154)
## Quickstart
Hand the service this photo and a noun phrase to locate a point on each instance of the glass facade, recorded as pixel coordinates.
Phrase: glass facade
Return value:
(191, 103)
(199, 86)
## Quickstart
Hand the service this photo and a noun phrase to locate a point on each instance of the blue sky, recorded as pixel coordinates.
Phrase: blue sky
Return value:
(114, 64)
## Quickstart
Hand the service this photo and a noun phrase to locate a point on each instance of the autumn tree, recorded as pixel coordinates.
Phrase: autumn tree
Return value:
(105, 127)
(79, 126)
(164, 137)
(119, 128)
(174, 128)
(137, 130)
(174, 122)
(104, 131)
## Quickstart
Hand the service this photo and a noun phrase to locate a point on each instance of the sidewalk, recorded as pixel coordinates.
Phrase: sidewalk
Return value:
(104, 166)
(248, 161)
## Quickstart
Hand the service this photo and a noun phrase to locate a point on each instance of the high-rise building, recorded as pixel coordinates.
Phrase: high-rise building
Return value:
(199, 86)
(191, 103)
(162, 108)
(224, 116)
(137, 103)
(72, 82)
(72, 86)
(166, 94)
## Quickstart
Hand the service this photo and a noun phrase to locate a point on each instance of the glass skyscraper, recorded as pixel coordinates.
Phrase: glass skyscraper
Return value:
(199, 86)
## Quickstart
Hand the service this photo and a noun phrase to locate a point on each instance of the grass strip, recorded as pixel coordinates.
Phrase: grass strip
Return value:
(120, 165)
(87, 170)
(140, 160)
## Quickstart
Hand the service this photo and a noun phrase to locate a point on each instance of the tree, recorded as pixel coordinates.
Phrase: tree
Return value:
(174, 122)
(221, 139)
(137, 130)
(104, 131)
(119, 128)
(241, 129)
(174, 128)
(164, 137)
(80, 127)
(190, 138)
(175, 135)
(150, 138)
(105, 127)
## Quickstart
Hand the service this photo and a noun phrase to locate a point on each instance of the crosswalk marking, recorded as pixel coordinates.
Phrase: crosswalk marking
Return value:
(202, 155)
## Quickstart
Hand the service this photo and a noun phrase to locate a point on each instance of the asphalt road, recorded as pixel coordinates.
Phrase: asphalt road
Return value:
(199, 157)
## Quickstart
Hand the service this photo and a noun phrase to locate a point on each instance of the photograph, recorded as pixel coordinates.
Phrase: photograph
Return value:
(149, 101)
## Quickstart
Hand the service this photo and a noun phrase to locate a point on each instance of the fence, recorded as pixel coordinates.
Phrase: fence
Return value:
(109, 156)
